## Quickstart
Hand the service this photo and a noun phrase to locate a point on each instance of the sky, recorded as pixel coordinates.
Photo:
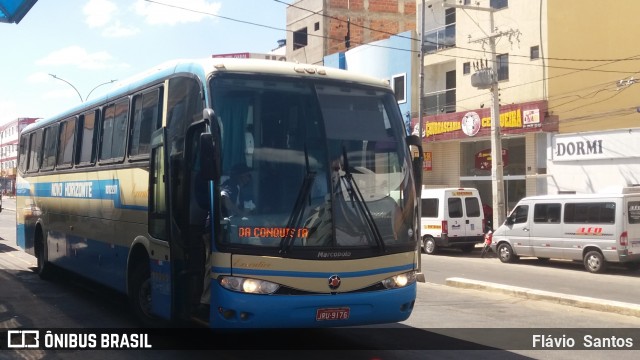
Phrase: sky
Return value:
(91, 42)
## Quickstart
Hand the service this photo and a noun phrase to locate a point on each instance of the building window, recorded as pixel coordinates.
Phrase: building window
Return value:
(299, 39)
(449, 16)
(467, 2)
(535, 52)
(316, 26)
(499, 4)
(398, 83)
(466, 68)
(503, 67)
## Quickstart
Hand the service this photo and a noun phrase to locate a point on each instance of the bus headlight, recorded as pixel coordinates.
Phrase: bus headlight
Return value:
(400, 280)
(247, 285)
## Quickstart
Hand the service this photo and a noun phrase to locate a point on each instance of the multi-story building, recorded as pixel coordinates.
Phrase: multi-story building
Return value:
(317, 28)
(279, 54)
(375, 37)
(593, 70)
(9, 134)
(567, 95)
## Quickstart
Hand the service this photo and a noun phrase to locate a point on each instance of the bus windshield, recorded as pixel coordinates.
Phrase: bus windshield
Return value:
(310, 165)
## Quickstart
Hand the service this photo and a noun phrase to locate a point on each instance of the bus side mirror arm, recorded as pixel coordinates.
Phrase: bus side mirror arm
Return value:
(210, 147)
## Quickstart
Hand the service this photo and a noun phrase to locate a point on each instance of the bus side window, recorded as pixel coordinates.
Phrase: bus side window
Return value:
(114, 129)
(35, 151)
(87, 136)
(146, 119)
(64, 158)
(49, 149)
(23, 154)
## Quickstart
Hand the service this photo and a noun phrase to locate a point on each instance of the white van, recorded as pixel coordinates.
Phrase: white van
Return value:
(596, 229)
(451, 217)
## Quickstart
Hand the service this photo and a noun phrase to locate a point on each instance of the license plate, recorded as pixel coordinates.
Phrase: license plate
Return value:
(332, 314)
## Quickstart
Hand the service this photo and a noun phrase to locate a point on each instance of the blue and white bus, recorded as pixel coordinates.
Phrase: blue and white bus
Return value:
(129, 191)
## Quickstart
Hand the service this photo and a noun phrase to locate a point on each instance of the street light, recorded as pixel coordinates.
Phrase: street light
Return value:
(78, 92)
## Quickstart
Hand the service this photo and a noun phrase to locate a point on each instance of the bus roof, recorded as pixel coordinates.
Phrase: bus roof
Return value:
(204, 67)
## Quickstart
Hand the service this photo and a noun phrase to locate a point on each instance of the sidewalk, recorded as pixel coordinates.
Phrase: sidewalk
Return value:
(9, 203)
(585, 302)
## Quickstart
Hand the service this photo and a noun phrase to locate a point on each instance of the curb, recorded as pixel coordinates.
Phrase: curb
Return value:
(585, 302)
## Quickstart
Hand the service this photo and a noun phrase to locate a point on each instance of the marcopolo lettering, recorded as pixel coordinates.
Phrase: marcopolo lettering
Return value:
(579, 148)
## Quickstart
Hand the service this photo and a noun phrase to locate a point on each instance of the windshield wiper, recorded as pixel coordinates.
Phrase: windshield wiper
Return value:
(358, 199)
(295, 219)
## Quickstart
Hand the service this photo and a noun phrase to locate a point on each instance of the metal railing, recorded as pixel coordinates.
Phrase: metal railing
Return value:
(437, 102)
(440, 38)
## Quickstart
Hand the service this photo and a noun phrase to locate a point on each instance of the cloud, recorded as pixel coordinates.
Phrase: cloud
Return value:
(99, 12)
(9, 111)
(62, 93)
(105, 14)
(77, 56)
(38, 78)
(117, 30)
(172, 12)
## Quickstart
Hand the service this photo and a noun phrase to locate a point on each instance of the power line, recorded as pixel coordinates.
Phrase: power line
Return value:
(591, 69)
(440, 44)
(381, 31)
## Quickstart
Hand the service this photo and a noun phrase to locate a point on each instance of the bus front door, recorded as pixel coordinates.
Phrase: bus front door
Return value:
(159, 252)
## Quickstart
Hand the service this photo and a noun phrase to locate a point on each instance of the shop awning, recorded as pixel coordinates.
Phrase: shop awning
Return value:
(12, 11)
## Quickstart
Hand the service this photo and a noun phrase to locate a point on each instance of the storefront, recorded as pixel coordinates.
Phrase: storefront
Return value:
(458, 150)
(592, 162)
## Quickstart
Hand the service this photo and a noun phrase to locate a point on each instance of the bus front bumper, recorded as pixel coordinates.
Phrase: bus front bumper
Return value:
(231, 309)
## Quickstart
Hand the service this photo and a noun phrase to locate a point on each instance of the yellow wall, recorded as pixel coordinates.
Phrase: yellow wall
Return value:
(593, 30)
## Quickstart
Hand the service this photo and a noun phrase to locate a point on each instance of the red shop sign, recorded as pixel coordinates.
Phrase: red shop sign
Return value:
(483, 159)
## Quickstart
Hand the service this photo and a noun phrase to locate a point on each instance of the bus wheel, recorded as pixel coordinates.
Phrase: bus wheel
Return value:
(429, 245)
(594, 262)
(140, 296)
(42, 256)
(505, 253)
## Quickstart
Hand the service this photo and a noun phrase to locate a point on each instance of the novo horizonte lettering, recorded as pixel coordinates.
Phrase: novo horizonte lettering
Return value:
(72, 189)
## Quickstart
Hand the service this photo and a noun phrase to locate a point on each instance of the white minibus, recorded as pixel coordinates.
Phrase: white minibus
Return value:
(596, 229)
(451, 217)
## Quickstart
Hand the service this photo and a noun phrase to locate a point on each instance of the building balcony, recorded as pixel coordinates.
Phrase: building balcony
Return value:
(437, 102)
(440, 38)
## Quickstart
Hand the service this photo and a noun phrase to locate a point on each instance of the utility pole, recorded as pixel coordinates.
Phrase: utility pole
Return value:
(420, 110)
(488, 79)
(420, 101)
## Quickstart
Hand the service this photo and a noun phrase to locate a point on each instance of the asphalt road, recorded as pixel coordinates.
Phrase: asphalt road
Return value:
(443, 315)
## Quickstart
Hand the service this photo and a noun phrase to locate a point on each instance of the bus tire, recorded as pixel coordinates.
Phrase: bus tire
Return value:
(140, 296)
(42, 256)
(594, 262)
